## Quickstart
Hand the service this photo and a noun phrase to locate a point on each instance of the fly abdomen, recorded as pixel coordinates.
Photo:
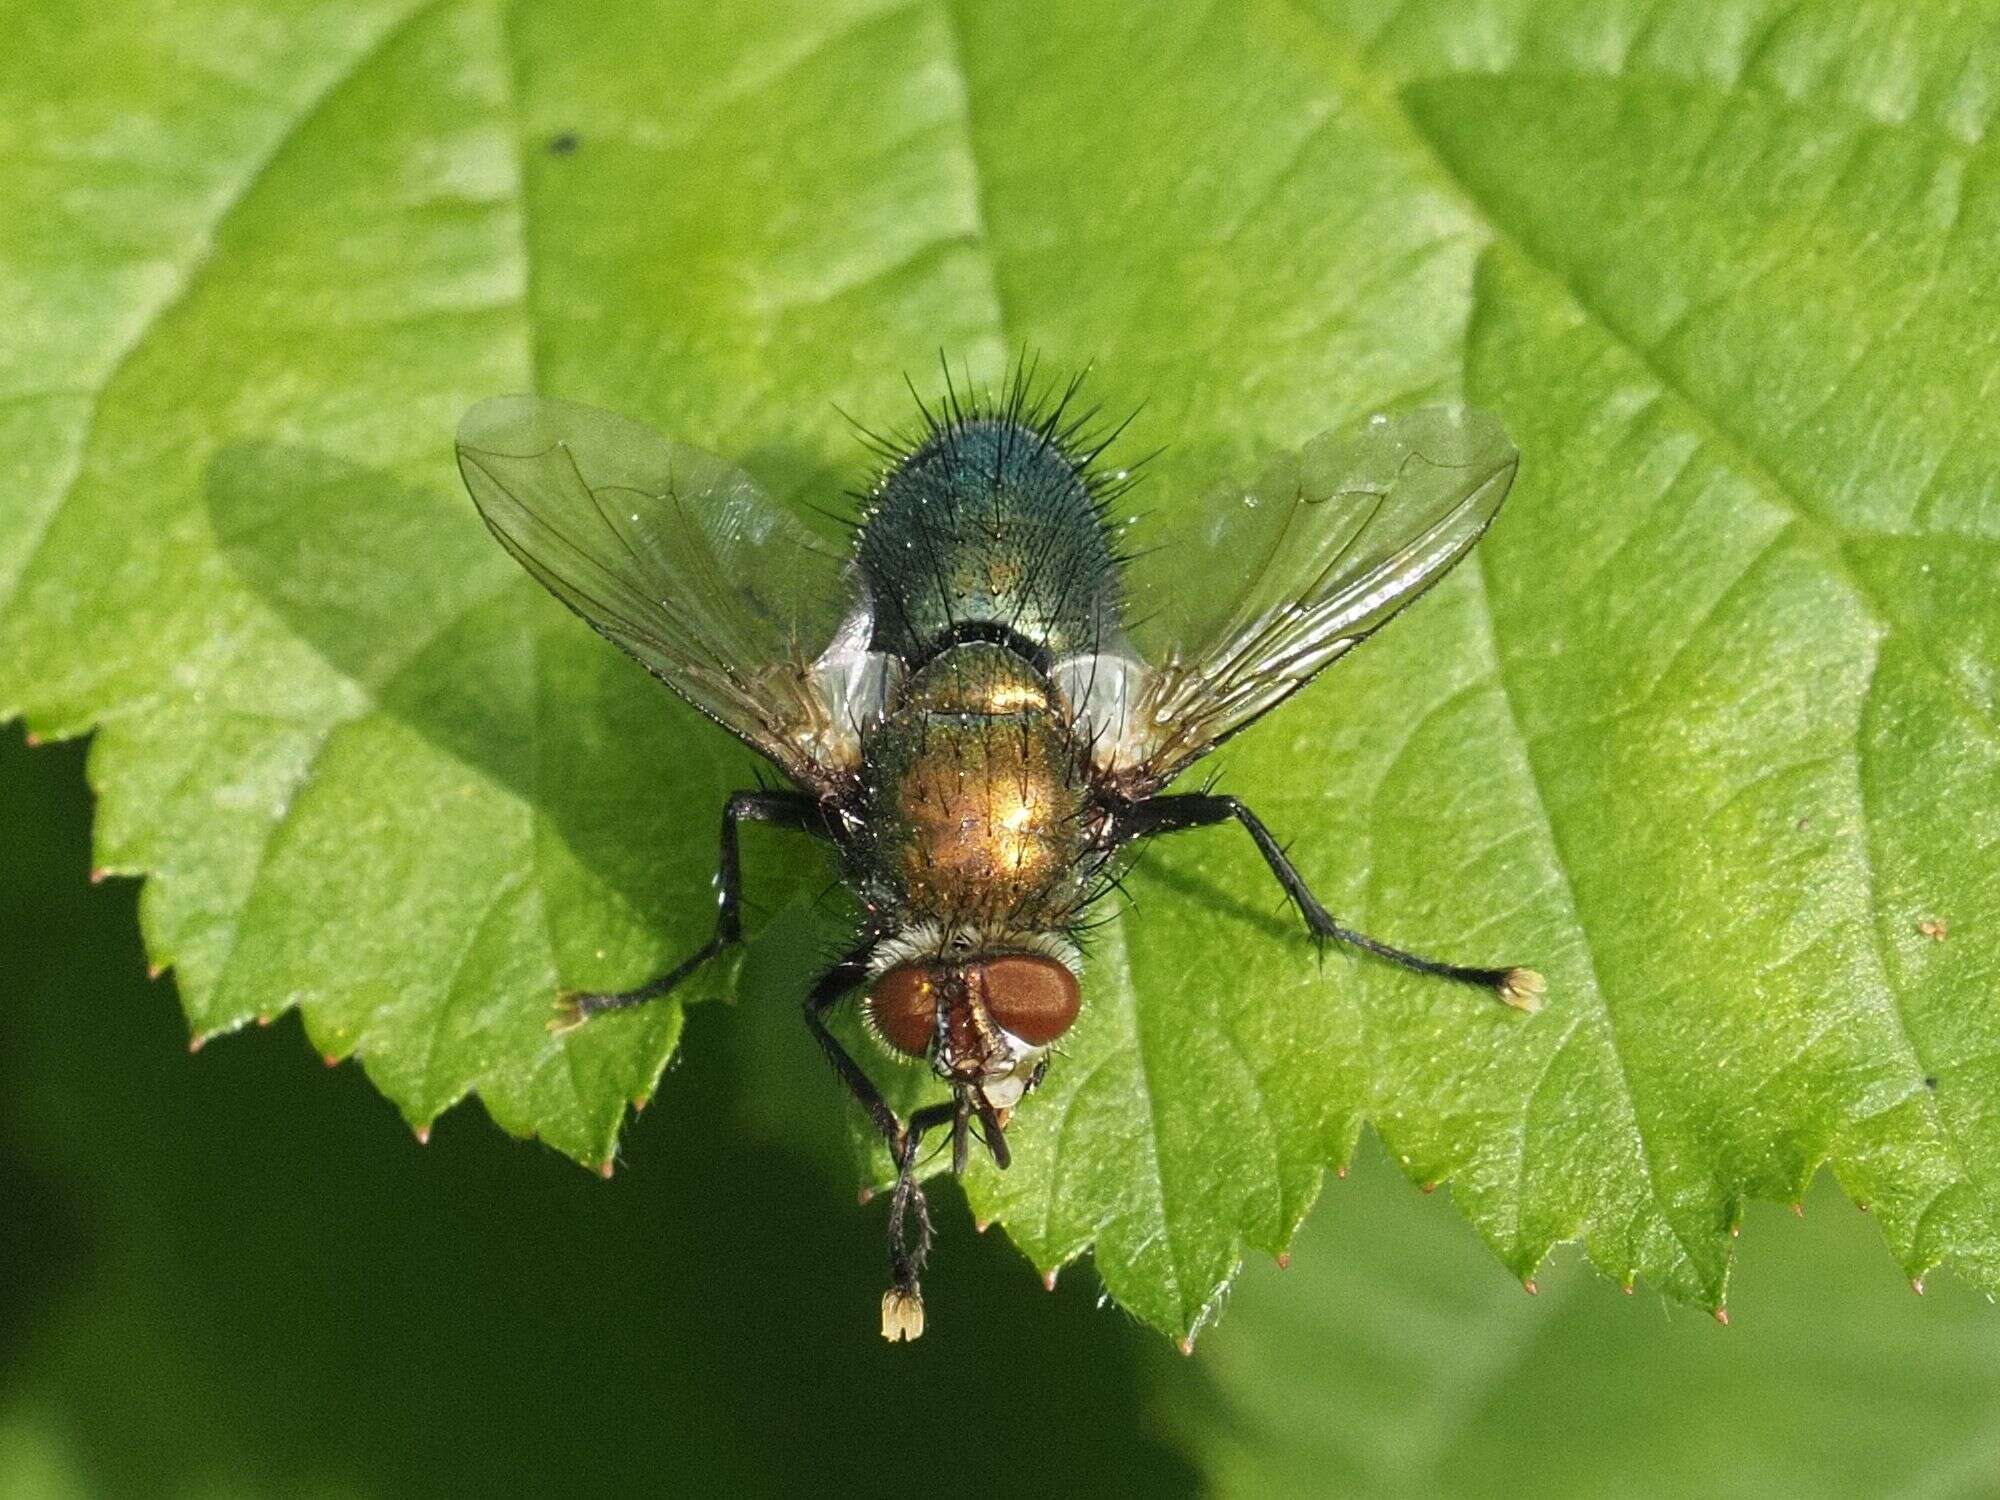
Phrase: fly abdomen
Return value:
(991, 529)
(975, 797)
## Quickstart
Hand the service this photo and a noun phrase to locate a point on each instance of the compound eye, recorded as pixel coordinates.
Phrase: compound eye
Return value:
(903, 1008)
(1034, 997)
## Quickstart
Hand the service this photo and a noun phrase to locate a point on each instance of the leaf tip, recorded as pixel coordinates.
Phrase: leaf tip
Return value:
(1722, 1315)
(606, 1167)
(422, 1133)
(1798, 1210)
(1049, 1278)
(331, 1059)
(154, 971)
(99, 875)
(866, 1196)
(1284, 1260)
(198, 1041)
(982, 1225)
(1528, 1286)
(1917, 1285)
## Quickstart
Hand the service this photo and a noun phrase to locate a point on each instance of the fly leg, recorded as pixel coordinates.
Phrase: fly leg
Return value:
(786, 810)
(903, 1303)
(824, 995)
(1520, 988)
(906, 1260)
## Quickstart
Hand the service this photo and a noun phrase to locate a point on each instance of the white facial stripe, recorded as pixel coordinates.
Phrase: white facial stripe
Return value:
(927, 940)
(1005, 1086)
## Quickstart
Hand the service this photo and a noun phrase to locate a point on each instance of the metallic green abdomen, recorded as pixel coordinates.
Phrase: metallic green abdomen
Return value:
(975, 797)
(988, 525)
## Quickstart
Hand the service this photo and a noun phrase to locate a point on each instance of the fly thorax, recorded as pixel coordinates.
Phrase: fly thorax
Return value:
(990, 521)
(976, 793)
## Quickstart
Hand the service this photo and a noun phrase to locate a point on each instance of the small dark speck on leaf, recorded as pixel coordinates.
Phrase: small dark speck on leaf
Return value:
(1930, 1080)
(564, 143)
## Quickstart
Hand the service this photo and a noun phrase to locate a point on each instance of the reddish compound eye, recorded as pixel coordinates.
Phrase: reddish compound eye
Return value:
(1034, 997)
(903, 1007)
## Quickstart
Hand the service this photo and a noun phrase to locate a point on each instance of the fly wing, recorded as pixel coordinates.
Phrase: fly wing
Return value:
(680, 559)
(1275, 581)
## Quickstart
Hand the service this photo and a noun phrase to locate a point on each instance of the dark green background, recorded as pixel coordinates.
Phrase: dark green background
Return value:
(241, 1273)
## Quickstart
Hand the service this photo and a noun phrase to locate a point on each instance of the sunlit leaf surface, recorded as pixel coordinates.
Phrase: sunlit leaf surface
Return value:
(1709, 730)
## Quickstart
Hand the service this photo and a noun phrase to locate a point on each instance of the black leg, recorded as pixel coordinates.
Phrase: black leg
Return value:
(824, 995)
(906, 1261)
(786, 810)
(903, 1305)
(1521, 988)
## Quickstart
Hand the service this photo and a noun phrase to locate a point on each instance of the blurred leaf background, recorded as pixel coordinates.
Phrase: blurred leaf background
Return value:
(233, 1274)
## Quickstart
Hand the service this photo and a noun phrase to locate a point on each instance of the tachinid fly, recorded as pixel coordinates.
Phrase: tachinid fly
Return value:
(980, 702)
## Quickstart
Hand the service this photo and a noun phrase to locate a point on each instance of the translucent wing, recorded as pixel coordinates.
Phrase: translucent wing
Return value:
(1273, 582)
(682, 560)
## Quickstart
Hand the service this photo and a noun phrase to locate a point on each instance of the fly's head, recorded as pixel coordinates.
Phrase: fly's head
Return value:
(984, 1018)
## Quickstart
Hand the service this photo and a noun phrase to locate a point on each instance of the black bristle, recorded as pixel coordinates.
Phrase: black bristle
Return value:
(1042, 409)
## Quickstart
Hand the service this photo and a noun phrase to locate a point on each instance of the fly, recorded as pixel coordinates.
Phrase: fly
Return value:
(980, 702)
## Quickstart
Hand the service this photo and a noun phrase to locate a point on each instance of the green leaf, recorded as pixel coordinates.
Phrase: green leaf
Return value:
(1707, 729)
(1391, 1360)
